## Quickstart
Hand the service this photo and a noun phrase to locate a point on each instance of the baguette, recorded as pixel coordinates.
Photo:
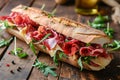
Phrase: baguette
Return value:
(68, 28)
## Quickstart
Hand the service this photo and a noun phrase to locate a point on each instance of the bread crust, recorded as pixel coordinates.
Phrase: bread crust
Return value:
(65, 26)
(103, 62)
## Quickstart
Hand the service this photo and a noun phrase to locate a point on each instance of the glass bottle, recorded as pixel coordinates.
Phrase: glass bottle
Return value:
(86, 7)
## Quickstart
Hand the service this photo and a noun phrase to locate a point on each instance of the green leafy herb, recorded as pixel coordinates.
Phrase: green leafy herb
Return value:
(33, 48)
(100, 23)
(19, 52)
(25, 7)
(45, 68)
(55, 59)
(52, 13)
(88, 44)
(62, 54)
(43, 47)
(4, 25)
(15, 50)
(80, 63)
(4, 42)
(115, 45)
(97, 26)
(87, 59)
(45, 37)
(109, 31)
(43, 6)
(100, 19)
(66, 40)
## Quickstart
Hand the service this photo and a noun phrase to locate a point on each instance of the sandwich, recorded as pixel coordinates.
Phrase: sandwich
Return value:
(63, 39)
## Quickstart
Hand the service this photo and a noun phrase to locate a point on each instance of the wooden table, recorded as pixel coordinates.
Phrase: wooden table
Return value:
(65, 71)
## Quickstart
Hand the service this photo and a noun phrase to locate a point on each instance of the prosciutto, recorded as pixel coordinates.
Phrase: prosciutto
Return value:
(38, 32)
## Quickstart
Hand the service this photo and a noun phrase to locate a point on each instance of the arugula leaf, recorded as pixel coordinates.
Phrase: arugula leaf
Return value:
(100, 23)
(33, 48)
(97, 26)
(4, 42)
(45, 37)
(5, 25)
(25, 7)
(43, 6)
(45, 68)
(19, 52)
(115, 45)
(22, 55)
(109, 31)
(43, 47)
(87, 59)
(62, 54)
(88, 44)
(55, 59)
(52, 13)
(100, 19)
(80, 63)
(66, 40)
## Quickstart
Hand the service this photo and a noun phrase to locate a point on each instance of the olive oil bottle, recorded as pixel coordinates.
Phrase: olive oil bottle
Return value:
(86, 7)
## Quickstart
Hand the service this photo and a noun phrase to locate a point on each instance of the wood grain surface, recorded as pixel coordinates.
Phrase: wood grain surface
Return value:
(64, 71)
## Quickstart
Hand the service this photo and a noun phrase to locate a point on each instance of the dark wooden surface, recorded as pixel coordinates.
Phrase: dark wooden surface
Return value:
(64, 71)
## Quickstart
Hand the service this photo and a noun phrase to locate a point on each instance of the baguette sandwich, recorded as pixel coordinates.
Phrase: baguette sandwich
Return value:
(71, 42)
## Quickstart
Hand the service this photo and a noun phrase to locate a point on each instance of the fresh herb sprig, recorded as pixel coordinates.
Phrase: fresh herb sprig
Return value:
(5, 25)
(18, 51)
(52, 13)
(55, 59)
(97, 26)
(80, 63)
(109, 31)
(114, 46)
(45, 69)
(4, 42)
(45, 37)
(99, 22)
(58, 55)
(87, 59)
(101, 19)
(62, 55)
(43, 6)
(33, 48)
(24, 7)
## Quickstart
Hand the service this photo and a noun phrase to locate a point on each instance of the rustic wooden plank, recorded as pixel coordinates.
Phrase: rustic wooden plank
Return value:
(66, 11)
(49, 4)
(6, 64)
(11, 4)
(2, 3)
(48, 60)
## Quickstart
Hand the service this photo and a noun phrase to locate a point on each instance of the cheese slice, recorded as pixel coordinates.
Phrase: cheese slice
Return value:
(23, 34)
(54, 50)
